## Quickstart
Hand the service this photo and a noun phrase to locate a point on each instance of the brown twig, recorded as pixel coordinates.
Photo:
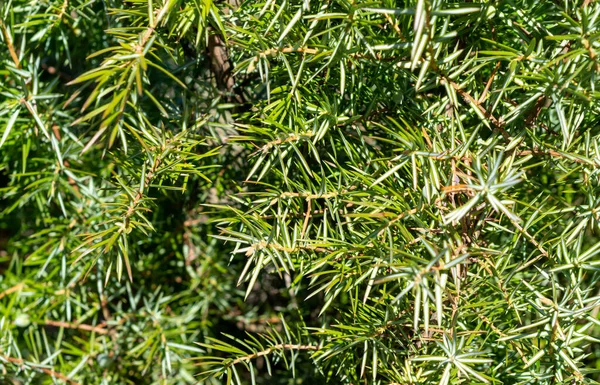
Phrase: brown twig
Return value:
(162, 12)
(309, 196)
(8, 291)
(395, 26)
(498, 124)
(63, 10)
(61, 324)
(535, 112)
(51, 373)
(9, 44)
(551, 153)
(488, 84)
(264, 245)
(291, 138)
(271, 349)
(306, 219)
(586, 43)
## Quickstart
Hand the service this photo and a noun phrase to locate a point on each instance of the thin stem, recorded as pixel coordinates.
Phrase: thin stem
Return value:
(271, 349)
(62, 324)
(51, 373)
(9, 44)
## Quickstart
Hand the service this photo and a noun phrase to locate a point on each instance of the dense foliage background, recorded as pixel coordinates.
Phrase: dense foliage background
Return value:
(289, 192)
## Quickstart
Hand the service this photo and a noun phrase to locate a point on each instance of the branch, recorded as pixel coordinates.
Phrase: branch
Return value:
(551, 153)
(8, 291)
(9, 44)
(271, 349)
(292, 138)
(62, 324)
(470, 99)
(51, 373)
(263, 245)
(162, 12)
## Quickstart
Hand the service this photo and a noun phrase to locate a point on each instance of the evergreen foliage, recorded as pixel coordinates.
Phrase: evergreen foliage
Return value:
(365, 192)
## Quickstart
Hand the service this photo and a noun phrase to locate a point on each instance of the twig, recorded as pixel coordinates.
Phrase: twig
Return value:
(551, 153)
(51, 373)
(291, 138)
(264, 245)
(306, 219)
(152, 27)
(533, 115)
(488, 84)
(395, 26)
(586, 3)
(9, 44)
(309, 196)
(470, 99)
(8, 291)
(90, 328)
(271, 349)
